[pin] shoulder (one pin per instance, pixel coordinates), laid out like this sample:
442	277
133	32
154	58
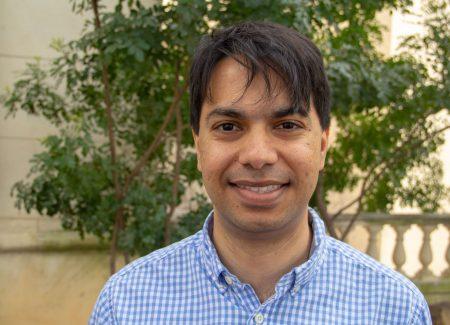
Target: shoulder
175	254
137	281
359	260
158	267
391	287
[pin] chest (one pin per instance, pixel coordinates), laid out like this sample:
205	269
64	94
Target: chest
201	302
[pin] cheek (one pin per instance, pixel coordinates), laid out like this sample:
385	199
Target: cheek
304	160
214	161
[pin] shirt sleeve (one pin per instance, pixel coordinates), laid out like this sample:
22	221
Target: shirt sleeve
103	312
421	313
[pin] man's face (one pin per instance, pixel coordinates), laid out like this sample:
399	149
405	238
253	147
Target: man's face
259	160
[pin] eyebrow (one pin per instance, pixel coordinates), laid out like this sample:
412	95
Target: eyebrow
237	113
225	111
286	111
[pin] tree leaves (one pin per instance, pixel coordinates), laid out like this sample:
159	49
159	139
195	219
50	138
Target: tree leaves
386	110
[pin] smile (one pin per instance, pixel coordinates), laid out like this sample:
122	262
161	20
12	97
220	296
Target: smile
261	189
259	195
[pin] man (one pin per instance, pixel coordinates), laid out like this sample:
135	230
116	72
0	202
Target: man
260	119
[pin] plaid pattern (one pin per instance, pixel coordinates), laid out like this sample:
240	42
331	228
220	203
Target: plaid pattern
186	283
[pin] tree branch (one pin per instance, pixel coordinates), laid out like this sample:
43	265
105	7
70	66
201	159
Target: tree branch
126	257
118	218
358	198
321	205
400	155
176	179
118	222
352	221
178	94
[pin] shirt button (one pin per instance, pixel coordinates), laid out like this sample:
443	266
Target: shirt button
228	280
259	318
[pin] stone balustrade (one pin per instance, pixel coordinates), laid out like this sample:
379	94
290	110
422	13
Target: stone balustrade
436	287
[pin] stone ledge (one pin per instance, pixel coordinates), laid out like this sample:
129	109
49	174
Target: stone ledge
440	313
435	291
56	240
54	249
49	242
19	234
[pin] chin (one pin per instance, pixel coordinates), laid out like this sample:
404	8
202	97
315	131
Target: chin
259	222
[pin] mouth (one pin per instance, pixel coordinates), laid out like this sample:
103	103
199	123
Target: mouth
260	189
259	194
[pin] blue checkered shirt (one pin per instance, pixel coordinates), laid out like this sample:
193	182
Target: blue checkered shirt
185	283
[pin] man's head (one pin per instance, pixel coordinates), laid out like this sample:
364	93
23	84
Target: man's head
260	117
263	48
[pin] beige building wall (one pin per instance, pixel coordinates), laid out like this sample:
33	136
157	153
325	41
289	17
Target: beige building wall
47	276
44	279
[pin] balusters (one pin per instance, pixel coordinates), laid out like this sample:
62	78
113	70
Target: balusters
400	224
373	247
399	257
446	273
426	255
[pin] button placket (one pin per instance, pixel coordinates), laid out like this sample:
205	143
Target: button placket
222	287
259	318
228	280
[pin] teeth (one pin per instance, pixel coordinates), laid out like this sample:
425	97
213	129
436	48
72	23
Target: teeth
261	189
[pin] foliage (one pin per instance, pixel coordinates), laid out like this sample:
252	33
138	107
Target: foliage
121	87
387	137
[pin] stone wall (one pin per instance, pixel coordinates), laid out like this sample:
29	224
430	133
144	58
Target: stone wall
50	287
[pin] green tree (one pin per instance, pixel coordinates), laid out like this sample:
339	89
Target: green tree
118	95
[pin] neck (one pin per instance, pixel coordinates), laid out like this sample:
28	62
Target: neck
262	259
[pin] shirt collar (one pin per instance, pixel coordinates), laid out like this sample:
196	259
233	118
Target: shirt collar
305	272
208	254
293	280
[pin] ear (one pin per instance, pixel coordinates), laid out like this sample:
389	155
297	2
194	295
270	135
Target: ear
324	147
197	150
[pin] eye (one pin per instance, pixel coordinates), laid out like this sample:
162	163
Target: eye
288	125
227	127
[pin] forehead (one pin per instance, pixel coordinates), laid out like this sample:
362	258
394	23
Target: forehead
229	86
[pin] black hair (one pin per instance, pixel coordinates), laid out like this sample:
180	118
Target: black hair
263	47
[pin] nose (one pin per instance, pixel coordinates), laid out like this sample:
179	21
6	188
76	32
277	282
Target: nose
258	150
